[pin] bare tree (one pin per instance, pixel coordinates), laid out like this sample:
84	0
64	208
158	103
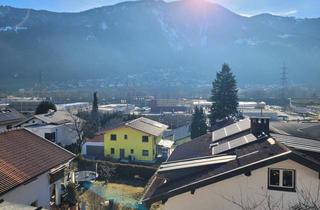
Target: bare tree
306	200
78	126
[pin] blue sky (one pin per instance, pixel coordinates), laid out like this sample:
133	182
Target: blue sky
297	8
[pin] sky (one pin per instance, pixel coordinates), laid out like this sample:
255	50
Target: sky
297	8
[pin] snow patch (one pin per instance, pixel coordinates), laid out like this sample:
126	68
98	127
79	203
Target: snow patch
248	41
103	26
170	33
284	36
12	28
90	37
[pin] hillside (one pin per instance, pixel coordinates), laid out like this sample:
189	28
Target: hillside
155	42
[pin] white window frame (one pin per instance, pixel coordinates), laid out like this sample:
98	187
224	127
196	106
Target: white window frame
281	170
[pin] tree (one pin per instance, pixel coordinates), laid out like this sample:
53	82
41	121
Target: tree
78	126
71	195
95	103
93	124
224	95
44	107
198	124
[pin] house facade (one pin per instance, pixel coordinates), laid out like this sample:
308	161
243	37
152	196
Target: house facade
251	190
32	169
58	127
241	166
135	140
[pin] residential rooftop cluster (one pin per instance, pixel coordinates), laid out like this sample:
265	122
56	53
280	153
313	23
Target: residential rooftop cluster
262	156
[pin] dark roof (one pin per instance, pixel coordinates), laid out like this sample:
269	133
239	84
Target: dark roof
264	151
10	116
24	155
198	147
170	183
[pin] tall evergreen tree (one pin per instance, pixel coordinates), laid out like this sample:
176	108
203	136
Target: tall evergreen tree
198	125
94	122
95	103
224	95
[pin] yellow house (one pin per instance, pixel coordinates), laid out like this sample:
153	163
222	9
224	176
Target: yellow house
135	140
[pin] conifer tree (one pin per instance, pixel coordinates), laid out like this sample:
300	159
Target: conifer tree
95	103
45	106
224	95
198	125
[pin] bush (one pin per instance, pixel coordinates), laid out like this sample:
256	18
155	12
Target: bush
71	197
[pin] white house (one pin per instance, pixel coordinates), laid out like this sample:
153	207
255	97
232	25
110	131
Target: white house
32	169
58	127
241	166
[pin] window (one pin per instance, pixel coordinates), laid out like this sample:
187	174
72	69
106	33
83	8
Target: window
113	137
50	136
131	151
125	136
281	179
145	153
112	151
145	138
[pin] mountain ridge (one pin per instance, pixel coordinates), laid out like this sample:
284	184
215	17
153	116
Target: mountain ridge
155	40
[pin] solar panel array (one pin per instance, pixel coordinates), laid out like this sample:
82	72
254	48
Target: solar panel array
231	129
298	143
220	148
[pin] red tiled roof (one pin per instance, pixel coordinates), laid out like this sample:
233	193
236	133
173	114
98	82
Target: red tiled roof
24	155
97	138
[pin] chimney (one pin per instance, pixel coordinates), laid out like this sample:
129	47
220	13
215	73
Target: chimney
260	126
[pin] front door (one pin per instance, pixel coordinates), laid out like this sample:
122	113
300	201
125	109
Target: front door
122	154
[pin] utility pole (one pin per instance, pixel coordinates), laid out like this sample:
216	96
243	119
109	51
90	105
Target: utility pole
284	82
40	84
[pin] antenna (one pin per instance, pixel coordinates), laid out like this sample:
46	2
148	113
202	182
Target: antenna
284	83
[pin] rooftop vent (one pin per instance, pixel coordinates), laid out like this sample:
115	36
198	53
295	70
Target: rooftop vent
260	126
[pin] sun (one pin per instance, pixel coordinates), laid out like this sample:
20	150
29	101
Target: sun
197	6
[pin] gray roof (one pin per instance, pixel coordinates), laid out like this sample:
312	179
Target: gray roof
309	130
5	205
57	118
298	143
148	126
9	116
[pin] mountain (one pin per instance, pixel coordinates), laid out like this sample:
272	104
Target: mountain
152	41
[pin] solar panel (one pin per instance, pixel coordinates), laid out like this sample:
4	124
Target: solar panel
233	144
231	129
195	163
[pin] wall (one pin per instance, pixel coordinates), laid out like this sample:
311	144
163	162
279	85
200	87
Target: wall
84	146
134	142
37	190
65	135
248	189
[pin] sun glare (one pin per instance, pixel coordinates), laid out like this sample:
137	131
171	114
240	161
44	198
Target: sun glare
197	6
